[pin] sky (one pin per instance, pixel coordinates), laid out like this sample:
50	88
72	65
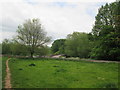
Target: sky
58	17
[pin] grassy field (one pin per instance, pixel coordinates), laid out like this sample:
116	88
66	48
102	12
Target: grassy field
62	74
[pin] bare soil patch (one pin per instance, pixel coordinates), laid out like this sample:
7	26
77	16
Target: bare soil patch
7	78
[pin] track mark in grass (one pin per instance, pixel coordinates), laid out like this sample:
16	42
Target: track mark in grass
61	70
8	78
26	79
76	80
32	64
20	69
55	66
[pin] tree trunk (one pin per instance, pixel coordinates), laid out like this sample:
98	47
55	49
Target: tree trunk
31	54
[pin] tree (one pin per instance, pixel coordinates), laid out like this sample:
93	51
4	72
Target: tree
18	49
106	33
0	48
77	45
32	34
58	46
42	51
6	47
11	47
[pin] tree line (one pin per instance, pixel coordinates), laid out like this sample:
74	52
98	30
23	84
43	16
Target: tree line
31	40
103	42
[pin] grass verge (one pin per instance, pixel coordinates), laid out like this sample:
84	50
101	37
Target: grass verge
3	70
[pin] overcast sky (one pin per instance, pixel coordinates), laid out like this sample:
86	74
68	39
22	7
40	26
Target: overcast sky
59	17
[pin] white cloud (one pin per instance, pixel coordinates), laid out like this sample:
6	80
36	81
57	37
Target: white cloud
7	34
58	0
58	21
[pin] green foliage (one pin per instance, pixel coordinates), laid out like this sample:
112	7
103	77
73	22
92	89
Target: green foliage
0	48
106	33
58	46
11	47
6	47
18	49
77	45
43	51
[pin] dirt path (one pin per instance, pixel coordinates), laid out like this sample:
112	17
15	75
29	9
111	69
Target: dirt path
102	61
7	78
105	61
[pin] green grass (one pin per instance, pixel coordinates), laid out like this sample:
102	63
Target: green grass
62	74
3	70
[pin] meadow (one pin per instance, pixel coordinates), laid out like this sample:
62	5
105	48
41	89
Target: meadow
51	73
